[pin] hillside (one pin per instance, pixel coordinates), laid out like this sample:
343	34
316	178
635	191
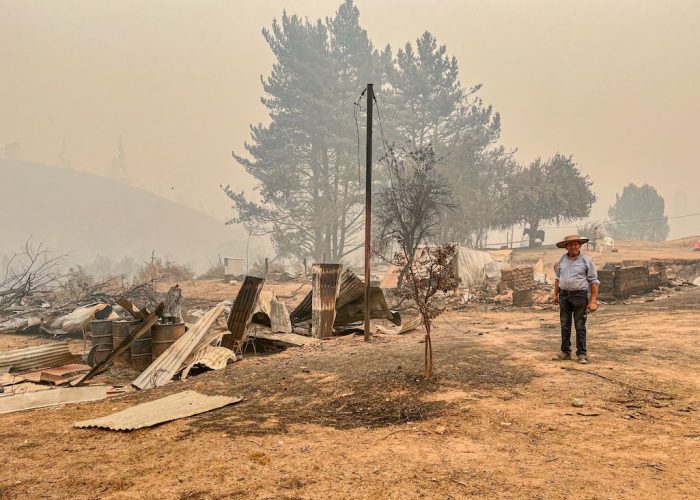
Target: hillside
86	216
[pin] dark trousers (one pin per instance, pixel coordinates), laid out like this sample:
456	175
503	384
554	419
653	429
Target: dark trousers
573	305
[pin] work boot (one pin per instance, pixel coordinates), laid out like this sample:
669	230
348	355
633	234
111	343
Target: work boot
582	359
564	356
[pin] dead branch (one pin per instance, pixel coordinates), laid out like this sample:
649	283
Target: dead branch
33	272
31	278
392	433
643	389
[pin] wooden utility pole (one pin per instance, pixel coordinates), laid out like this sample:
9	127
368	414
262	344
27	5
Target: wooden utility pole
368	205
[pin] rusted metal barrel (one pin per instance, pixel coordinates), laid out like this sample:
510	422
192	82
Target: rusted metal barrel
121	330
101	335
141	352
163	336
101	332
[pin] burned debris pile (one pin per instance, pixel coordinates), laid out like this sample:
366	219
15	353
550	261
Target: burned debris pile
128	346
339	303
157	346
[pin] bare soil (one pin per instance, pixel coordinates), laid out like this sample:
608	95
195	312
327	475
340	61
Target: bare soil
349	419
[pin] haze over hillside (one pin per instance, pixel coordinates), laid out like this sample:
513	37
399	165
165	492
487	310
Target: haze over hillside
86	216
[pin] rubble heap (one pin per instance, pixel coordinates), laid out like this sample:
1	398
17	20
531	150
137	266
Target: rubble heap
520	280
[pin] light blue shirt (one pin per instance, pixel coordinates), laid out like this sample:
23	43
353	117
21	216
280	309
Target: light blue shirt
576	274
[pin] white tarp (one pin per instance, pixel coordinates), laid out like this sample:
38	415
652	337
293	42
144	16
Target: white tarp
472	267
503	257
475	268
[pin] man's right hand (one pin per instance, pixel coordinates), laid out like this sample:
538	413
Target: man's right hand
555	299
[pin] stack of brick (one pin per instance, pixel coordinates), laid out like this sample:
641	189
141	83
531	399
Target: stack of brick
521	281
632	281
607	284
635	277
506	280
632	277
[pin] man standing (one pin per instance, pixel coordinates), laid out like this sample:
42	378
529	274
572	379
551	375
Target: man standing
575	275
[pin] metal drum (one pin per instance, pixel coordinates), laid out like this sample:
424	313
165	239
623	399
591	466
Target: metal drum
101	332
141	352
101	335
163	336
121	330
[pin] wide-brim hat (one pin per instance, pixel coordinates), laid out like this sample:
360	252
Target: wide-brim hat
570	238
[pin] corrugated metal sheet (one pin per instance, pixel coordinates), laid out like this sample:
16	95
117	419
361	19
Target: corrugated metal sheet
353	312
214	358
351	289
60	371
167	364
41	356
406	326
242	310
326	283
269	311
285	338
53	397
212	337
302	312
180	405
349	304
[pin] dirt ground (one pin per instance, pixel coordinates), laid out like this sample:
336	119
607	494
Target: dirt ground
353	419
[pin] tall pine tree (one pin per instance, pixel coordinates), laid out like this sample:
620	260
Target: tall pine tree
305	159
427	104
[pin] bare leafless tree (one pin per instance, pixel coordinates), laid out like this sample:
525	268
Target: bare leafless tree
429	277
414	196
34	271
79	287
34	276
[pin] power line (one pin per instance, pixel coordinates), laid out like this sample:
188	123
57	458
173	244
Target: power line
356	105
357	128
381	129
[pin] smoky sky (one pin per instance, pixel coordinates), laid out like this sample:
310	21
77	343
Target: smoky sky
615	84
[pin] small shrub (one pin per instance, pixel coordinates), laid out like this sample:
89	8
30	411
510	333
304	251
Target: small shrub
214	271
160	270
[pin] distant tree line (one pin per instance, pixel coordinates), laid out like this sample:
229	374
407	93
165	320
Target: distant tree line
308	160
638	214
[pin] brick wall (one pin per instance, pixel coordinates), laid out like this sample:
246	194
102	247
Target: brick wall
518	278
521	281
606	291
632	281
